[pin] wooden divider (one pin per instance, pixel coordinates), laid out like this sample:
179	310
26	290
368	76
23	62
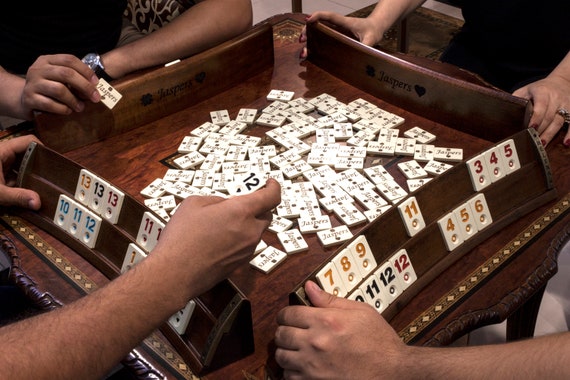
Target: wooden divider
455	103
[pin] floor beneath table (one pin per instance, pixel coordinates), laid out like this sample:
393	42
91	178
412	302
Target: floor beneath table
554	314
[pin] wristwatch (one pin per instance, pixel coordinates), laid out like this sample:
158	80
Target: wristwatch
93	60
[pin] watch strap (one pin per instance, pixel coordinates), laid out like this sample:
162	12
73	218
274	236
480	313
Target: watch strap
102	74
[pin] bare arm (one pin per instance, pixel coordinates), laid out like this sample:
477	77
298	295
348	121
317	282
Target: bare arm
369	30
340	338
202	243
548	96
544	357
9	104
203	26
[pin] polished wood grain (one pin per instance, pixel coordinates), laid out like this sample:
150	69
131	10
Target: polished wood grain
133	158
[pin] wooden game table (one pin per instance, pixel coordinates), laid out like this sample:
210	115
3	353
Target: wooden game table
500	277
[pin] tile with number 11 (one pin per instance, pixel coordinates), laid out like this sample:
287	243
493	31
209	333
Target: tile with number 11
411	216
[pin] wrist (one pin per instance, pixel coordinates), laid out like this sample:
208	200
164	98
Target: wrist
15	106
94	61
120	62
178	284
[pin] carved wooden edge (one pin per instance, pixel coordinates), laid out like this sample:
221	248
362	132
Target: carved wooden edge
535	283
470	283
140	368
41	300
44	301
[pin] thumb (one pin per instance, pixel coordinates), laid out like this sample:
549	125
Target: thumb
521	93
14	196
320	298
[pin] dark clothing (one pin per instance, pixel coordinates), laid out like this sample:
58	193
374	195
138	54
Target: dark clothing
511	43
29	29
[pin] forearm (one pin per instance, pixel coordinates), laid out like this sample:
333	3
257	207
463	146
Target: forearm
203	26
215	21
562	70
11	87
388	12
205	240
544	357
87	338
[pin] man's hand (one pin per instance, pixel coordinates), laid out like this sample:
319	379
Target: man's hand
336	339
208	237
12	196
58	84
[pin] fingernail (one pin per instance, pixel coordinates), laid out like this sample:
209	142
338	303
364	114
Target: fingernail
79	107
33	204
567	143
313	286
95	96
543	142
534	126
94	79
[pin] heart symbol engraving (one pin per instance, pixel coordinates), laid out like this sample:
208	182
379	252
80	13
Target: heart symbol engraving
200	77
420	90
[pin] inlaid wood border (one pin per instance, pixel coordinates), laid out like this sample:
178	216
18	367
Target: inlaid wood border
486	270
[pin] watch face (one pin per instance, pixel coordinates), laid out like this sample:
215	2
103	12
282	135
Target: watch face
92	60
